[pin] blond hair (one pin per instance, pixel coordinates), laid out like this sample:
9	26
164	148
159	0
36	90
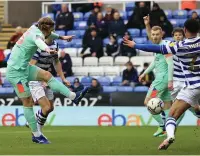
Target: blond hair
155	28
46	24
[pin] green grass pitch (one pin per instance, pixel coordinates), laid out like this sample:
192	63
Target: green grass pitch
97	141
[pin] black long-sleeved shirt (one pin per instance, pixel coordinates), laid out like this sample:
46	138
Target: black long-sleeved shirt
66	65
66	19
131	76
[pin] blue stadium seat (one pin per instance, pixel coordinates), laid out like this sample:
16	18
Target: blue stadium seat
180	14
77	43
81	32
86	81
181	22
6	90
81	25
174	22
105	41
140	40
60	32
123	15
120	40
125	89
129	14
59	79
130	6
104	81
169	38
117	81
51	15
190	12
141	89
71	79
144	33
64	44
168	13
76	25
74	32
109	89
87	15
78	16
7	83
134	32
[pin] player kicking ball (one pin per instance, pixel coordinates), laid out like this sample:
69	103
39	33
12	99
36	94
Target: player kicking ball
163	83
187	52
20	72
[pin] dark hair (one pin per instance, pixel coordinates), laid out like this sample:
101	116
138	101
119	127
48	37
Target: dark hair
129	63
194	12
146	64
192	25
180	30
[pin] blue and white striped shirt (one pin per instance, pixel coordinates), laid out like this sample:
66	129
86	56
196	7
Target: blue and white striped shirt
44	59
188	53
178	73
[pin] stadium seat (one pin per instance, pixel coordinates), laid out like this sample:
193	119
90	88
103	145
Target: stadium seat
6	90
134	32
174	22
141	89
87	15
96	71
144	33
76	25
60	32
104	81
78	16
6	83
59	79
168	13
71	51
120	40
111	71
77	61
77	43
81	33
121	60
109	89
180	14
51	15
169	38
181	22
63	44
105	41
190	12
106	61
3	72
80	71
90	61
6	52
87	51
121	69
129	14
117	81
124	89
138	60
123	15
82	25
140	40
71	79
86	81
130	6
143	53
74	32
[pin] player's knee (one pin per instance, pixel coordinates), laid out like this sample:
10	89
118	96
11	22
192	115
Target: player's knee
47	76
146	101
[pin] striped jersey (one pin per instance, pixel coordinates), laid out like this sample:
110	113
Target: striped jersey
44	59
188	53
178	73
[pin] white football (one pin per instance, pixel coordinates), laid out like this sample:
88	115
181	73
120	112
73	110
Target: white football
155	106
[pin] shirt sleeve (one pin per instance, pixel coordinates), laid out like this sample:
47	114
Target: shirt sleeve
40	43
36	55
54	35
171	47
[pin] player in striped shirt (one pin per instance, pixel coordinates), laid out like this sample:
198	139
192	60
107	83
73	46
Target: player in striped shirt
188	52
40	92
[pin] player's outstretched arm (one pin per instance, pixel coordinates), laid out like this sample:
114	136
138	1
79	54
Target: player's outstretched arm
147	25
56	36
147	71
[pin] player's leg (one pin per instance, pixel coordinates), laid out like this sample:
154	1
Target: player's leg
55	85
152	93
185	99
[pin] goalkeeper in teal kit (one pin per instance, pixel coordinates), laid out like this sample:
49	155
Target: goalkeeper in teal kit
20	72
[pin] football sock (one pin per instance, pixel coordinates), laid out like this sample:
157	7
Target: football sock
30	118
41	119
158	118
57	86
170	127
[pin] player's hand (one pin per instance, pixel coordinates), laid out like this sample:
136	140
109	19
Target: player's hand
129	43
68	38
67	83
170	85
146	20
141	77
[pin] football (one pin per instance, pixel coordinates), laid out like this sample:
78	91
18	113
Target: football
155	106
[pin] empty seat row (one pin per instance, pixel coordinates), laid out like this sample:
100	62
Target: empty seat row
110	89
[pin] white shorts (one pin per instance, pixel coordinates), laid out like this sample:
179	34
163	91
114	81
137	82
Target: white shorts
38	90
191	96
178	85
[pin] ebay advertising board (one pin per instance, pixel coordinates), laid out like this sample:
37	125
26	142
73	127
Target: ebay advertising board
89	116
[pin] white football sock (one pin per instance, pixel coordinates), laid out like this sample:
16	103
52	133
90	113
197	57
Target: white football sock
170	127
